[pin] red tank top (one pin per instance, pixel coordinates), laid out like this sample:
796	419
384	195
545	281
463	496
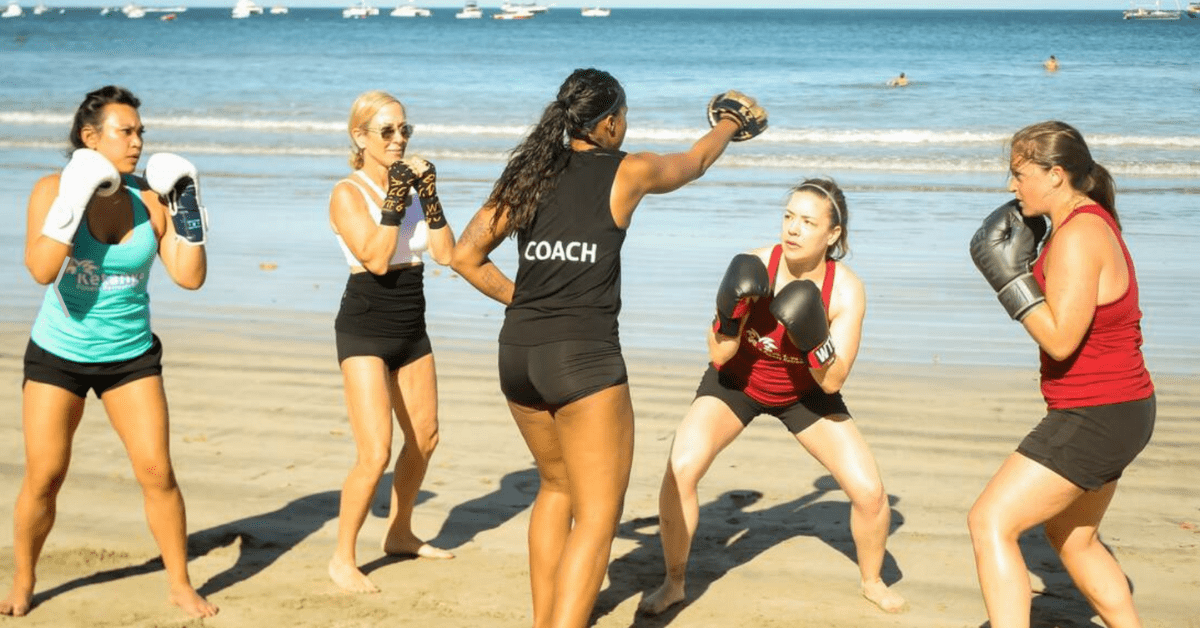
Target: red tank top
768	367
1108	366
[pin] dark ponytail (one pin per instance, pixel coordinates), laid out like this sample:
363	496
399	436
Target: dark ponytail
587	97
1054	143
91	111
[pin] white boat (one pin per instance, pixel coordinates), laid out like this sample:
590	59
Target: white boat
595	12
513	14
40	8
410	10
12	10
244	9
1193	9
359	11
1156	13
133	11
470	11
279	9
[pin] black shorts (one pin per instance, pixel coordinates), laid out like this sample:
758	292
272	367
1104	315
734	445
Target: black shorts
80	377
796	417
1091	446
557	373
395	352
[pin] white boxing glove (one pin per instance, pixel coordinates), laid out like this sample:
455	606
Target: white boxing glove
176	179
86	174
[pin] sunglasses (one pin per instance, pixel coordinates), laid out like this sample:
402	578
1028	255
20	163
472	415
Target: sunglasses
389	132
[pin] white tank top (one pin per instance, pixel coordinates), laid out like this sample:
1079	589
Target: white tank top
413	238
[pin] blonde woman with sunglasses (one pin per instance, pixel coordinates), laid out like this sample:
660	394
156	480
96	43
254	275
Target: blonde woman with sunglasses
385	215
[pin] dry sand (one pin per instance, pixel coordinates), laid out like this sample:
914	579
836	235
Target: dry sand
261	445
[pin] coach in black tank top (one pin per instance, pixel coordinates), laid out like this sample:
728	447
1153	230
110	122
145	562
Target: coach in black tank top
568	283
568	194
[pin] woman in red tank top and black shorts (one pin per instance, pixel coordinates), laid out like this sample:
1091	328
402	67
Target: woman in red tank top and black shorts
1080	303
789	321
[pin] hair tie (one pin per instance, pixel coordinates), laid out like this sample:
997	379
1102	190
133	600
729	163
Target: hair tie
837	210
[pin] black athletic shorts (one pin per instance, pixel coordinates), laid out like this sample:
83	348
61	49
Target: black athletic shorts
796	417
80	377
395	352
1091	446
554	374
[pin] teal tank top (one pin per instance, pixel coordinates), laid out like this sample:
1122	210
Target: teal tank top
99	310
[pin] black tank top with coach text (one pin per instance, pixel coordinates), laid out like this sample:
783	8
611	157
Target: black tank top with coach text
568	284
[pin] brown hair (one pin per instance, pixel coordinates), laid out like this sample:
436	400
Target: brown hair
364	108
839	214
1054	143
91	111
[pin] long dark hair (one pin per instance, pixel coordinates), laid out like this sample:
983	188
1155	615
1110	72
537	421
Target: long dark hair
1055	143
839	214
587	97
91	111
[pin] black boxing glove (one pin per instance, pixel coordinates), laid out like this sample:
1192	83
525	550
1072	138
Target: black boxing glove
1004	249
799	309
399	194
745	278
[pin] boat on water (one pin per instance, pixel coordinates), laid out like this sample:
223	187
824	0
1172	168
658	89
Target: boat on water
12	10
279	9
40	8
470	11
1155	13
133	11
359	11
595	12
244	9
410	10
1193	9
513	14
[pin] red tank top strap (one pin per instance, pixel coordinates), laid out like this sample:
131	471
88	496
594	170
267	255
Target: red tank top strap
827	283
773	266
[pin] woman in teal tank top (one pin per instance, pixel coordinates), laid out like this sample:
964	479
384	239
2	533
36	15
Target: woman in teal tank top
92	234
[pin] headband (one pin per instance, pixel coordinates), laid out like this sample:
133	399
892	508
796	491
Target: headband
837	210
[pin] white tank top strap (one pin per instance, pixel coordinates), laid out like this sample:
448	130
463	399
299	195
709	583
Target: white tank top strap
413	237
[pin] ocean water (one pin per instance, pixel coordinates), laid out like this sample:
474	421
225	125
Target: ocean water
260	106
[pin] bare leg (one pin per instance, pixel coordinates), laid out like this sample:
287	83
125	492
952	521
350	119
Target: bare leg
414	399
1021	495
707	429
1073	535
837	444
138	411
50	416
595	446
369	407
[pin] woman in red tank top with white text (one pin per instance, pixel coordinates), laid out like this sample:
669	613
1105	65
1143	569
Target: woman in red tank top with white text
1081	306
771	357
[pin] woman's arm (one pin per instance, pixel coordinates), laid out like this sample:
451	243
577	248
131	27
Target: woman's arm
372	244
722	348
1073	272
650	173
470	256
44	256
847	308
441	245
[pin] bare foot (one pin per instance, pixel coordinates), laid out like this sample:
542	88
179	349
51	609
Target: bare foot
192	603
668	595
412	546
350	578
18	602
886	599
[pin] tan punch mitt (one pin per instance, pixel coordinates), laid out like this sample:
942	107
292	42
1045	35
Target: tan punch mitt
750	116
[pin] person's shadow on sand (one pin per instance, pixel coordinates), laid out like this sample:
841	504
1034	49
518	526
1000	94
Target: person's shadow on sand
1059	604
262	539
727	537
466	520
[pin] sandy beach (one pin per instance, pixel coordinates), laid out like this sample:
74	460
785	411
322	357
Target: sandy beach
261	444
